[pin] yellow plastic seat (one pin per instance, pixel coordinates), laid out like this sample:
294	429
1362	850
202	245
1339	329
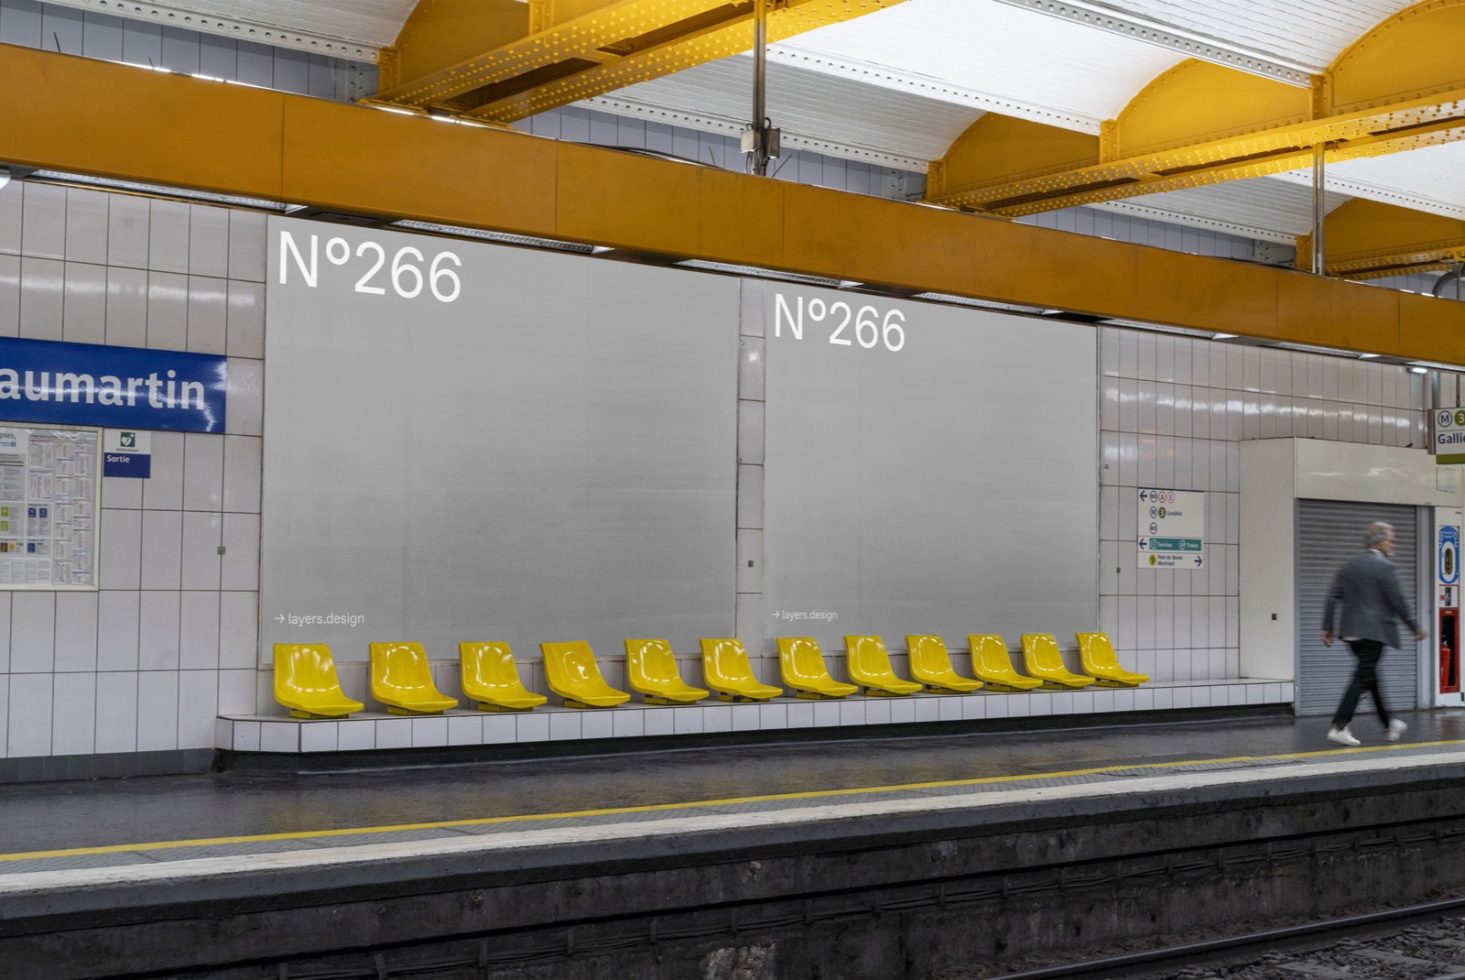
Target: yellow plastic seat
991	663
571	671
869	667
802	665
401	679
726	670
306	682
651	671
1045	662
1096	654
931	665
491	678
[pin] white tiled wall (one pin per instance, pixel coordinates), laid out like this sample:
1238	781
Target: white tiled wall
169	641
148	661
1173	412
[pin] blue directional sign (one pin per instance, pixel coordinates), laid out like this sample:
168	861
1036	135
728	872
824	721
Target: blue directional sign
117	387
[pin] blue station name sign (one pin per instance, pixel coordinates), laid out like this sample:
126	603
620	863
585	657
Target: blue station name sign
115	387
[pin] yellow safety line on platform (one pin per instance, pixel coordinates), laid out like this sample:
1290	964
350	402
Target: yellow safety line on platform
692	805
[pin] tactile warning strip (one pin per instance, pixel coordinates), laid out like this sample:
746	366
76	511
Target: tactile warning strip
166	851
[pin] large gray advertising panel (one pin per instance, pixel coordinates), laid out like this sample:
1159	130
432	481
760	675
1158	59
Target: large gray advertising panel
928	470
473	442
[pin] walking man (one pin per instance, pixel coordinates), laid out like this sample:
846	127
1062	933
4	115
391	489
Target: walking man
1373	603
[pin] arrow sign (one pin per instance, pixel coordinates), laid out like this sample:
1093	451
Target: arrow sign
1144	495
1142	544
280	618
1198	559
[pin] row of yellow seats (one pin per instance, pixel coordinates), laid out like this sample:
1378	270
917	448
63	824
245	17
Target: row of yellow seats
869	666
307	684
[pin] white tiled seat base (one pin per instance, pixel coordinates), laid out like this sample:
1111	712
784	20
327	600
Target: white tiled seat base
260	733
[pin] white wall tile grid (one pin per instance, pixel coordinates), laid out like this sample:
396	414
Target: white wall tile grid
92	34
1173	412
169	640
581	125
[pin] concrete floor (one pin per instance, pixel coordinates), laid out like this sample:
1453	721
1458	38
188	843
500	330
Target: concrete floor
51	816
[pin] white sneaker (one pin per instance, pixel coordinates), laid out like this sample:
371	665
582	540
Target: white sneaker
1396	728
1343	736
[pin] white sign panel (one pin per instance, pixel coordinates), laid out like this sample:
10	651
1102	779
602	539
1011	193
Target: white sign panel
48	507
603	507
1449	435
865	378
1172	529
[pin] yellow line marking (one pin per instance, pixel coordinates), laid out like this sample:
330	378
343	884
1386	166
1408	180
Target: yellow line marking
692	805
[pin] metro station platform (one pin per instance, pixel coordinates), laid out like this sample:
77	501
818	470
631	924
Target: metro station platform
165	875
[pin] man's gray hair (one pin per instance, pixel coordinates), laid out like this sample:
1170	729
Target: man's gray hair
1377	531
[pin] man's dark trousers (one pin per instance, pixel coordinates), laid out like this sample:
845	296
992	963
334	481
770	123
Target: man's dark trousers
1365	678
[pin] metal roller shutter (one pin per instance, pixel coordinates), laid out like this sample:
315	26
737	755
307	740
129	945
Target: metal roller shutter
1328	532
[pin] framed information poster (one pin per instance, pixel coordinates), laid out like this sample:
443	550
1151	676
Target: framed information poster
50	482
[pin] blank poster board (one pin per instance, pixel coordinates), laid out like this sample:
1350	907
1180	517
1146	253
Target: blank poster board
474	442
937	473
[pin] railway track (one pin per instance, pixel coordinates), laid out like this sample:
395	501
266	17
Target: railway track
1420	942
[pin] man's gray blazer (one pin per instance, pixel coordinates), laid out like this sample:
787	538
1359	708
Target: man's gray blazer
1373	602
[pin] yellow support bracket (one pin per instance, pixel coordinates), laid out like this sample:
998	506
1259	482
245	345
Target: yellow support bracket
568	50
1391	128
1399	87
1369	239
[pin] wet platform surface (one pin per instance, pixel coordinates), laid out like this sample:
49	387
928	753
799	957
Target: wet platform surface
311	810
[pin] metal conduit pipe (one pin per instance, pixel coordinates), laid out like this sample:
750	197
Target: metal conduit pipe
1319	206
760	140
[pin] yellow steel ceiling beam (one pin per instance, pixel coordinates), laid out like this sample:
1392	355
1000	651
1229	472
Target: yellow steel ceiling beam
561	51
1369	239
119	122
1399	87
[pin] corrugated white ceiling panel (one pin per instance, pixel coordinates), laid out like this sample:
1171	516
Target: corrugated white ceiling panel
363	24
811	105
1312	32
1429	179
986	55
1263	208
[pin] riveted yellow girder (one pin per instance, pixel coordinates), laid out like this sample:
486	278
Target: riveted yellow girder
1414	53
1368	239
998	148
1400	87
120	122
568	50
445	32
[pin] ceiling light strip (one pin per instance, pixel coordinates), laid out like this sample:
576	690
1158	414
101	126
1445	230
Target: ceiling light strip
501	237
930	88
952	299
704	265
1172	38
729	127
155	190
169	15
